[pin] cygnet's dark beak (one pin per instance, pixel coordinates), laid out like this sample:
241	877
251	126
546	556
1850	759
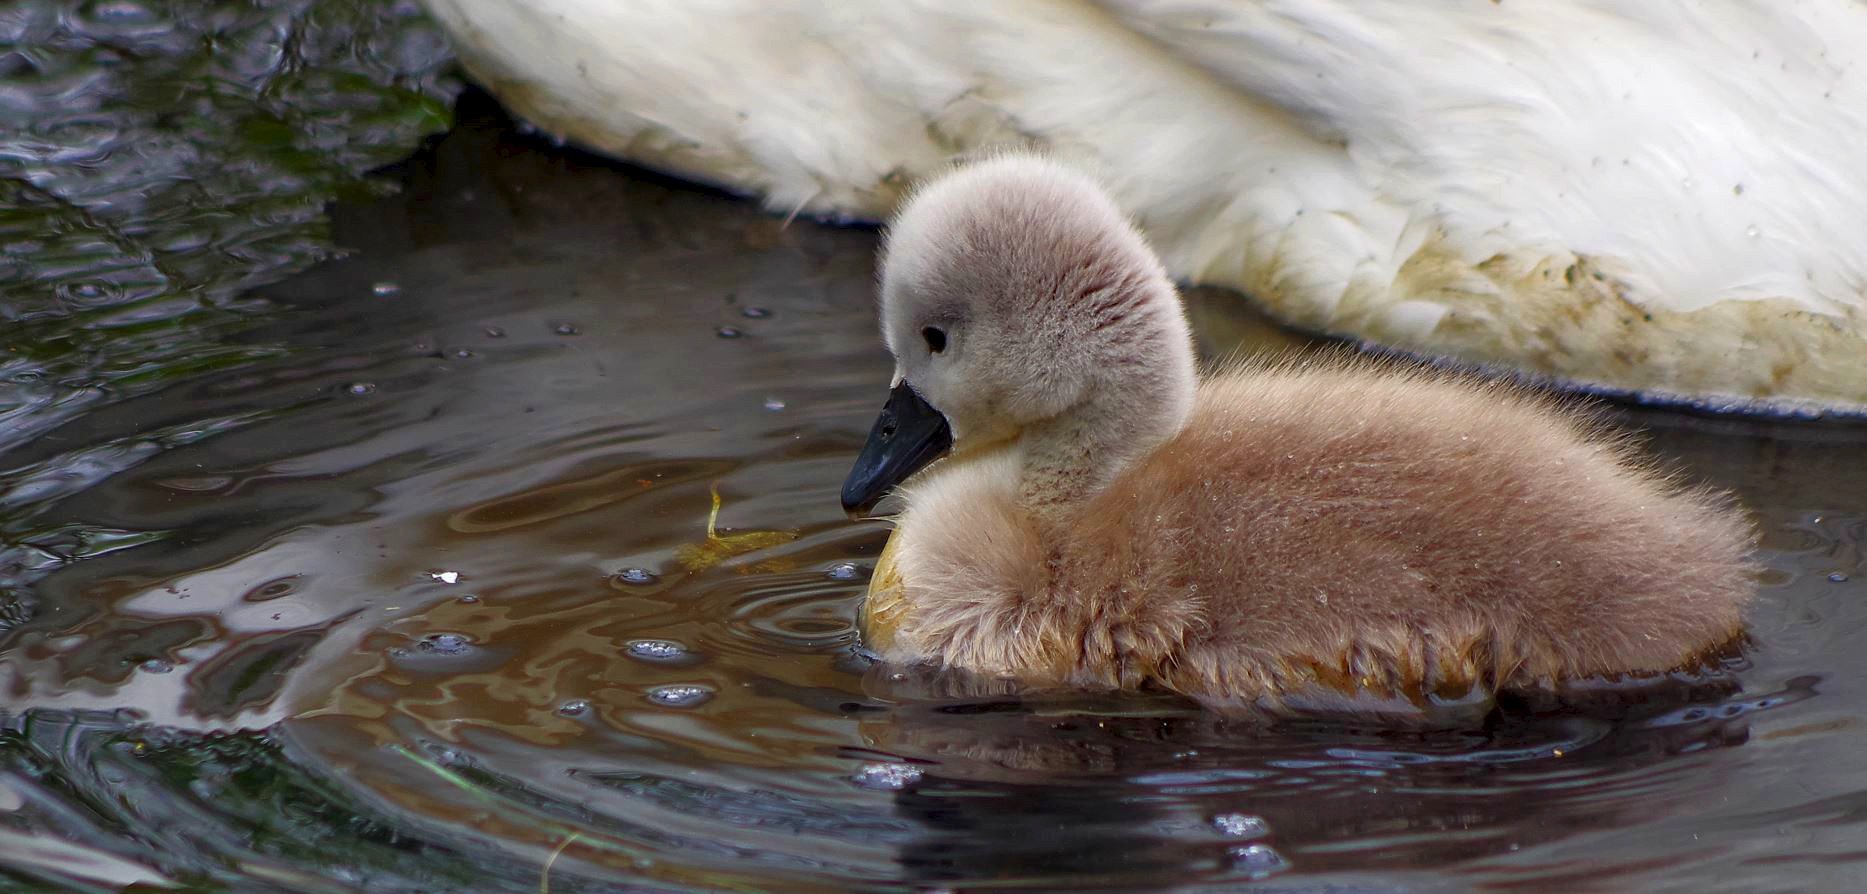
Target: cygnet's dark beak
908	435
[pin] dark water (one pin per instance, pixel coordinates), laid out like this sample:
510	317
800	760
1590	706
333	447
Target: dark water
411	589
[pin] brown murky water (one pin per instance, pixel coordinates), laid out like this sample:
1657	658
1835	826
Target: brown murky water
422	597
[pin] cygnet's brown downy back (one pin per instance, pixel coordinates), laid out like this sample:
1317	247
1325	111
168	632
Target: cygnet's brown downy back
1295	532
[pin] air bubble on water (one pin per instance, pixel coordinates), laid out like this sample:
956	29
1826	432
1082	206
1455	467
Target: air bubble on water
1837	577
494	332
755	313
566	329
728	332
844	571
1257	860
445	577
774	404
679	695
446	644
887	777
574	707
468	598
657	650
462	353
360	388
385	289
157	666
1241	825
120	12
636	577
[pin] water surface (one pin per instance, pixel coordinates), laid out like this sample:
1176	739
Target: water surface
415	592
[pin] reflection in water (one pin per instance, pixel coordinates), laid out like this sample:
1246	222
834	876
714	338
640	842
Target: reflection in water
438	596
158	159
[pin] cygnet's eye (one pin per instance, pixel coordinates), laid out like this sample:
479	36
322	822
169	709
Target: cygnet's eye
936	338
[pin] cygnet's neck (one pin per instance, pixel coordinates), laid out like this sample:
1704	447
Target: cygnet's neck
1139	405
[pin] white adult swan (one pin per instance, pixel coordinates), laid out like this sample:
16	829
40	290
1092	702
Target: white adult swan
1661	197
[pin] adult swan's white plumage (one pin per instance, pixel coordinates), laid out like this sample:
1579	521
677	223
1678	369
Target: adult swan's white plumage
1664	197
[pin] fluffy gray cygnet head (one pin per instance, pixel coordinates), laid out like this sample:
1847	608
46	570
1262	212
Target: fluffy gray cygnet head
1024	310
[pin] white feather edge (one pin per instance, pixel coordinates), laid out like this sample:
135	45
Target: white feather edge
1660	197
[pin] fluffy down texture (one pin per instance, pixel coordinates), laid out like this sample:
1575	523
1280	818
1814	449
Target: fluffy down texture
1321	532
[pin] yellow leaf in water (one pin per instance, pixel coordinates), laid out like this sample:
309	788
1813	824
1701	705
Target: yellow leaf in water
698	557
